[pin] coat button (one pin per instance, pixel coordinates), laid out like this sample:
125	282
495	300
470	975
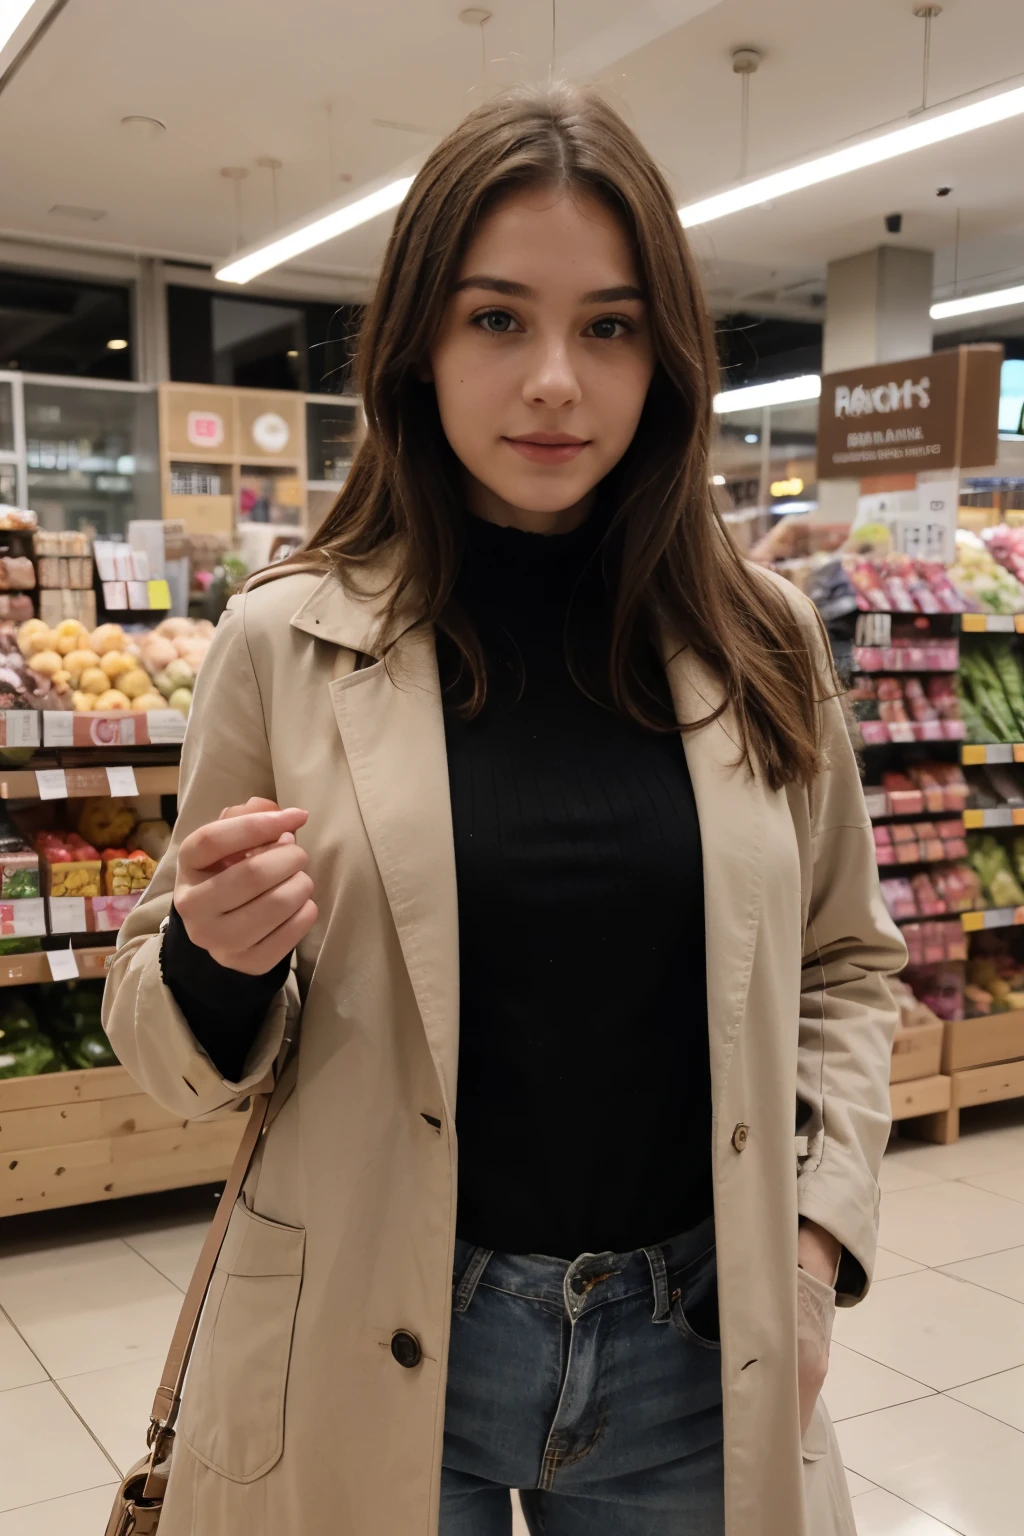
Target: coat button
740	1135
406	1350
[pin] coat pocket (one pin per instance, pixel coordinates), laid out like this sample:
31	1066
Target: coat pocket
232	1414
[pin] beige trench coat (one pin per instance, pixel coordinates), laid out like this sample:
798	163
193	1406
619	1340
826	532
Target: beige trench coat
297	1418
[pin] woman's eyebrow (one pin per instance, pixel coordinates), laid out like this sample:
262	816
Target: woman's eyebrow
503	285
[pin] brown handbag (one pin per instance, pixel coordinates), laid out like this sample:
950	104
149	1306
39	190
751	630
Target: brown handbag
140	1498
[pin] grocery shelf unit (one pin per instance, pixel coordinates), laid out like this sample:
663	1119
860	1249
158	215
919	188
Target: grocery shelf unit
72	1137
982	1059
215	439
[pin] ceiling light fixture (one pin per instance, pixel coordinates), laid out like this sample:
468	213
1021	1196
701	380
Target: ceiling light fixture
753	397
12	14
999	298
117	345
855	157
305	236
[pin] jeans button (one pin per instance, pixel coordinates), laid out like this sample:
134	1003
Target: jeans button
406	1350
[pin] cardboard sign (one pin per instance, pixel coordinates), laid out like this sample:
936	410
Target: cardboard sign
935	412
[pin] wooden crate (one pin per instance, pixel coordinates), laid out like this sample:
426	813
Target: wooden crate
67	1138
916	1052
981	1042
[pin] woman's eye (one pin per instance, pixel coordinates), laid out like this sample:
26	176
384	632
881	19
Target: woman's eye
608	328
497	321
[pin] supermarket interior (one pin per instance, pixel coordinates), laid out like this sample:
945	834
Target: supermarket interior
194	204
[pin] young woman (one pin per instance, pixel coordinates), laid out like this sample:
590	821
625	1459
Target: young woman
572	822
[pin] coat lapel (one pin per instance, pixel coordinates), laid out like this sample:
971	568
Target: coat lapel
392	728
732	825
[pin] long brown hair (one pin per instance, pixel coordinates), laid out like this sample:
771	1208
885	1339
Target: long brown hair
667	557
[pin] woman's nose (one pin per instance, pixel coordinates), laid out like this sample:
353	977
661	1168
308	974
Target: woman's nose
552	379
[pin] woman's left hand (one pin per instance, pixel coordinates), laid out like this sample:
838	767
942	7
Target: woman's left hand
818	1254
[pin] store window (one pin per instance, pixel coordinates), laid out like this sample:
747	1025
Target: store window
249	343
91	456
65	326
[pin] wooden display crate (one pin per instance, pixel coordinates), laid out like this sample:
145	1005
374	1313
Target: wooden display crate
67	1138
916	1052
982	1042
921	1096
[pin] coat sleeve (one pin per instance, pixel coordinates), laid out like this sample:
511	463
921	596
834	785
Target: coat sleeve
225	759
847	1016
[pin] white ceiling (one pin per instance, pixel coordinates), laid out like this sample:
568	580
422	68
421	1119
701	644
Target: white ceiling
236	80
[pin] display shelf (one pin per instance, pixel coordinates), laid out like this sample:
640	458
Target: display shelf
994	917
28	970
992	623
69	1138
968	1089
986	1041
920	1096
991	821
973	755
23	784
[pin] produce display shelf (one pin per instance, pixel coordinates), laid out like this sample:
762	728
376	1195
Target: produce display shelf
28	970
992	623
1002	816
972	755
967	1089
67	1138
23	784
995	917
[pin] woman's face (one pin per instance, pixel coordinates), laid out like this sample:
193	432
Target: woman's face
543	359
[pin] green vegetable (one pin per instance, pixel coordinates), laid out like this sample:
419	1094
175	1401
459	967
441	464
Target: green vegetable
1005	660
16	1021
90	1050
981	679
990	862
28	1057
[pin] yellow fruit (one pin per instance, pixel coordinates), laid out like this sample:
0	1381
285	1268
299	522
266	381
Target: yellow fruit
46	663
109	637
113	699
83	701
61	680
114	663
26	631
94	680
41	640
78	662
134	682
146	701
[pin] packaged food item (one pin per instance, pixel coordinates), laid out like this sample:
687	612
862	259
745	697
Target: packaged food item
125	873
939	987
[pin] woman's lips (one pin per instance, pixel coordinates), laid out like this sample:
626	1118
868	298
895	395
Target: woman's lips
539	452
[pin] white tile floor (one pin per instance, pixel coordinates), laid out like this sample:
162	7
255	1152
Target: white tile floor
926	1383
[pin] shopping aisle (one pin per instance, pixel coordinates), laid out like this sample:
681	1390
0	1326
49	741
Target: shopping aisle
926	1386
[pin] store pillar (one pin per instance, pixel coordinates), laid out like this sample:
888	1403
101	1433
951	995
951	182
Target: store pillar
878	310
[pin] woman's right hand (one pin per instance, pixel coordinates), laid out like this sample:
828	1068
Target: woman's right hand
242	889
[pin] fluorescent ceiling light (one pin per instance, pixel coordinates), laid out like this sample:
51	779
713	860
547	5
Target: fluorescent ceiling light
12	14
779	392
303	237
885	146
999	298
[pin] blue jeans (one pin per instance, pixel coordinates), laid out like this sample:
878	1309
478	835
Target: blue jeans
593	1387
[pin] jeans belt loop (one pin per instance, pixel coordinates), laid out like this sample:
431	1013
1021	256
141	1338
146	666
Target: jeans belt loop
659	1282
466	1288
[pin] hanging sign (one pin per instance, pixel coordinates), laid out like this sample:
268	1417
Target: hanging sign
929	413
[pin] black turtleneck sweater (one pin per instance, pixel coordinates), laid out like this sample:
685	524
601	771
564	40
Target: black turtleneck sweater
584	1102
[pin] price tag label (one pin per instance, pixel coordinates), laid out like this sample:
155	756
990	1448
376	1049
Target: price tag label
115	596
159	594
67	914
63	964
121	781
999	754
52	783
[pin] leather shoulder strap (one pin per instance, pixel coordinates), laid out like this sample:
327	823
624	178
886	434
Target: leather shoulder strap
168	1394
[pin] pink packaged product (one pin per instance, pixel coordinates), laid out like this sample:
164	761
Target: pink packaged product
898	896
928	901
940	988
106	913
